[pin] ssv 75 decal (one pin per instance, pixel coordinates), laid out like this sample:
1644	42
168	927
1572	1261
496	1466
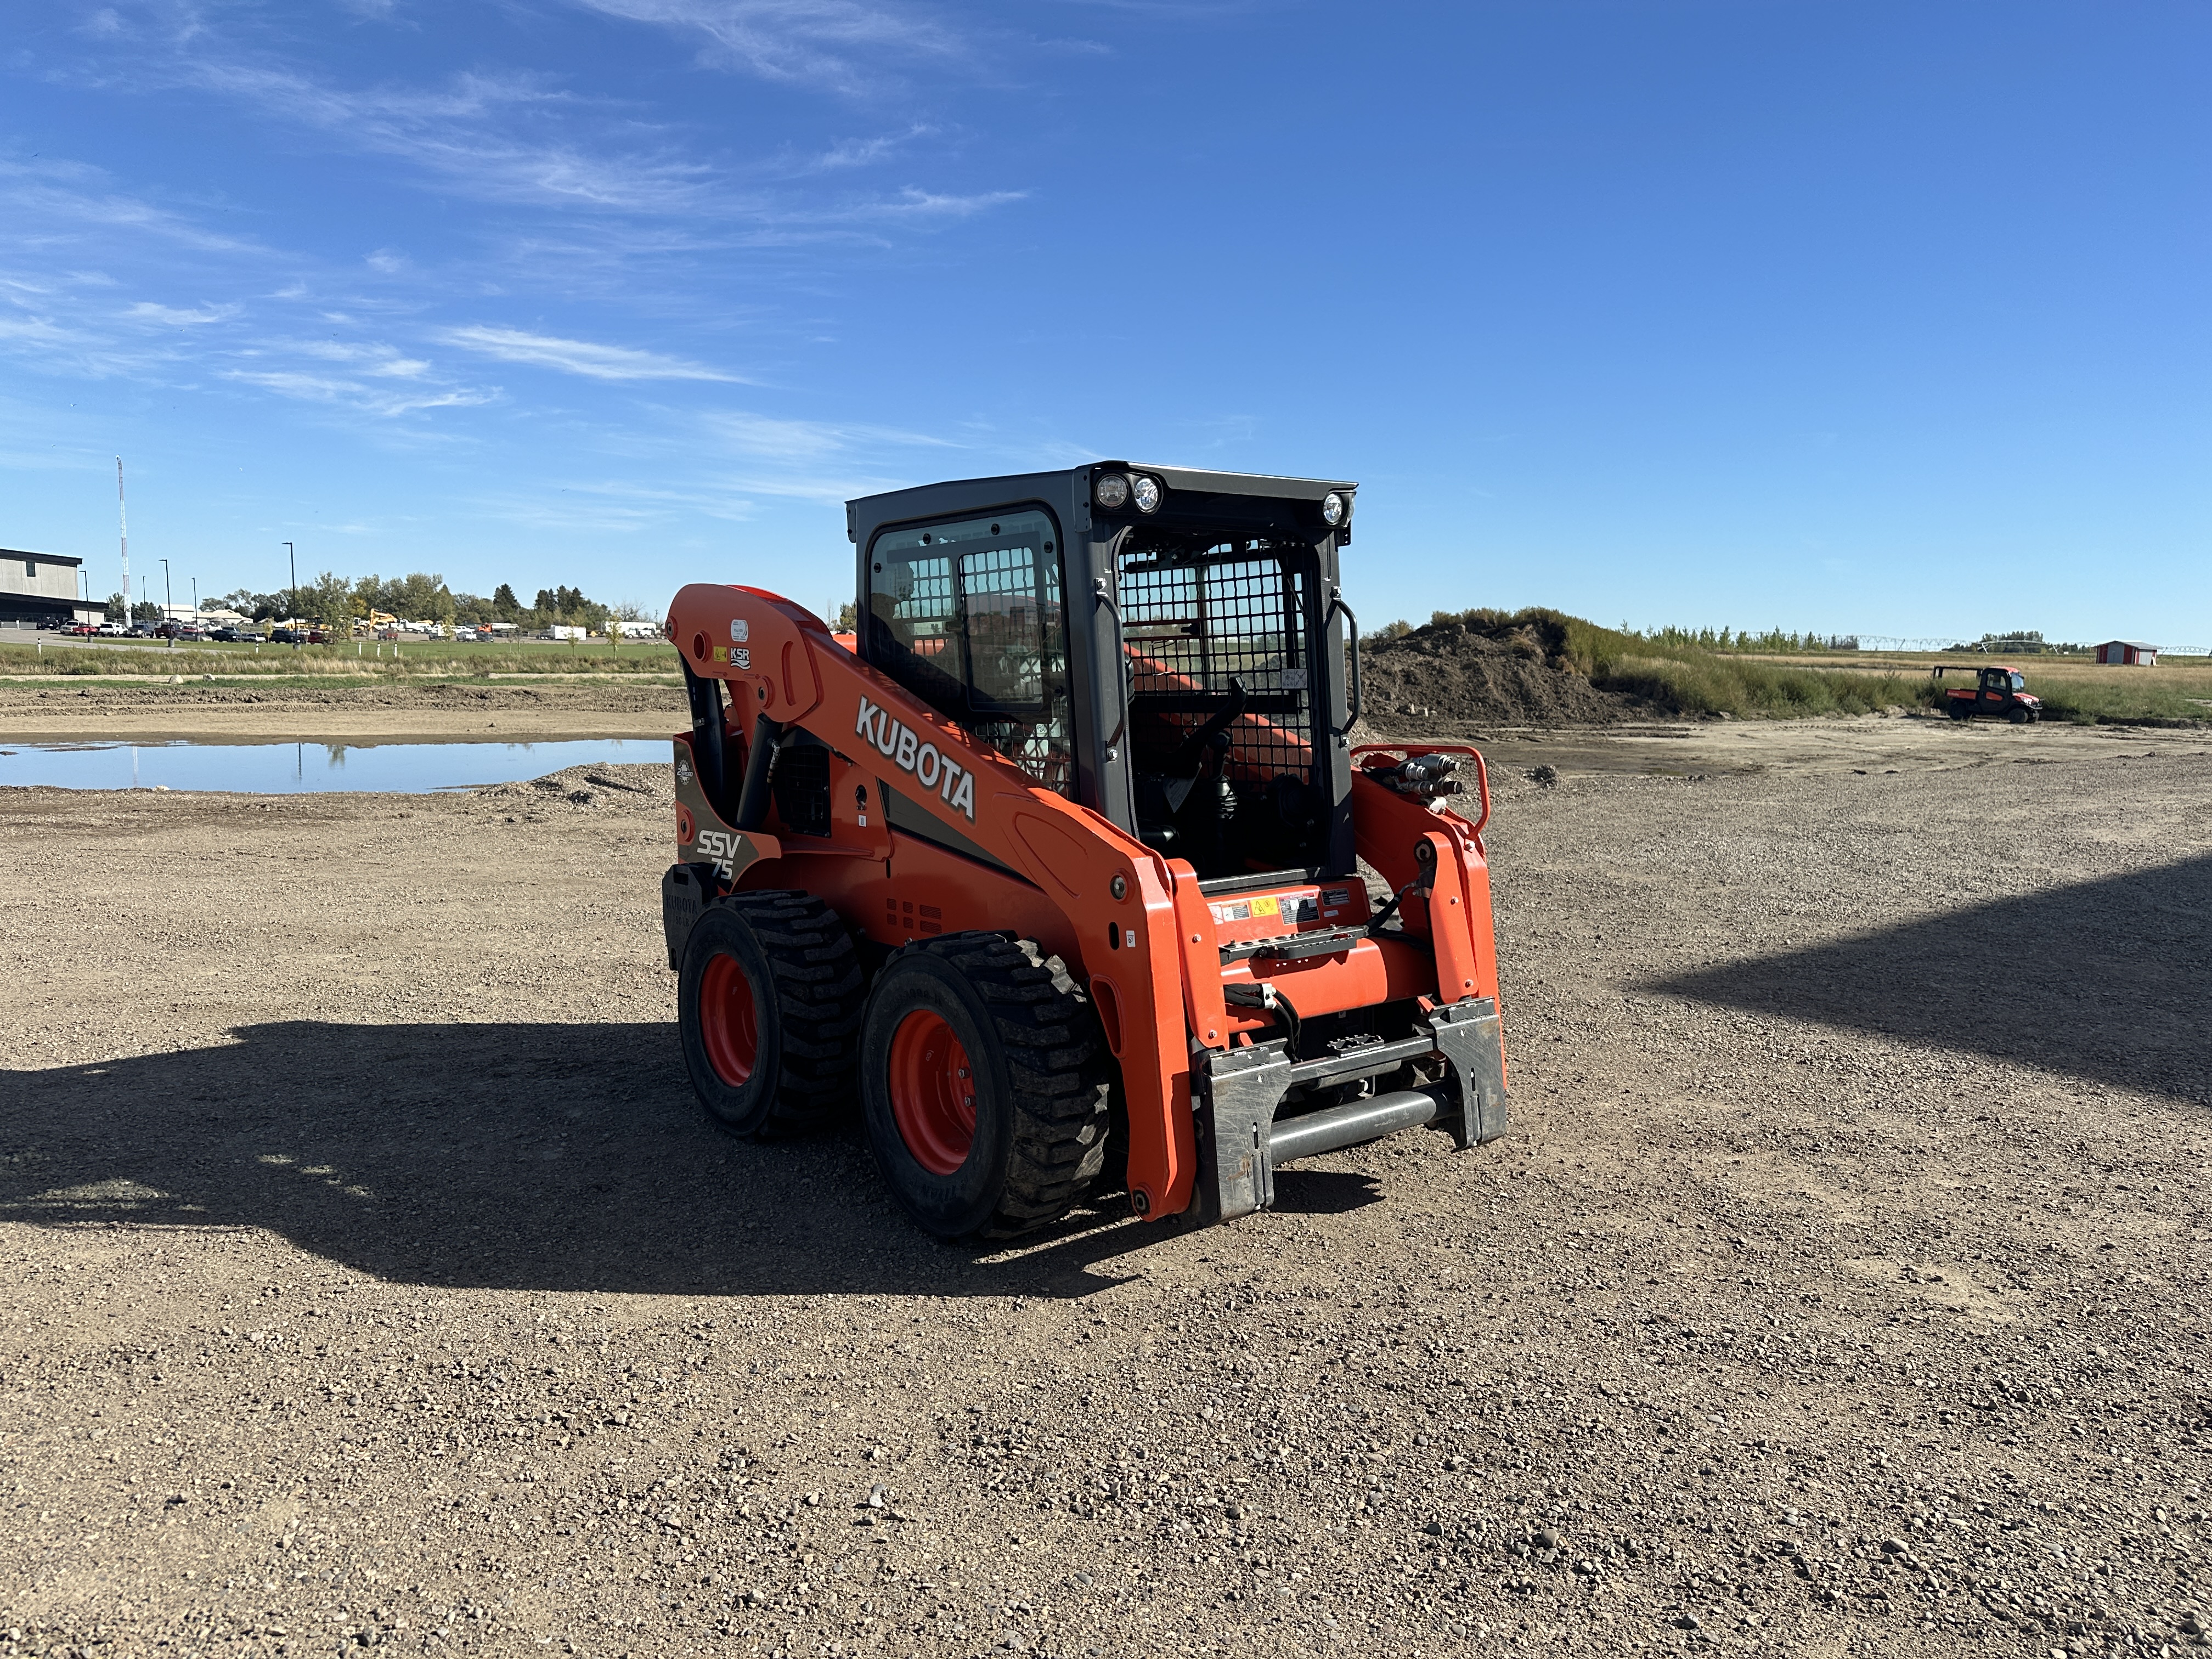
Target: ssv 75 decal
954	783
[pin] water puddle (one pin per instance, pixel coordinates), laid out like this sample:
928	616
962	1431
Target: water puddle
297	769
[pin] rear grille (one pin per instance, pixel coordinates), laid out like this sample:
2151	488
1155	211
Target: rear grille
800	784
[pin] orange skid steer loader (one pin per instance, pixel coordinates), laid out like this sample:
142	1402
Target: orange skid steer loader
1061	862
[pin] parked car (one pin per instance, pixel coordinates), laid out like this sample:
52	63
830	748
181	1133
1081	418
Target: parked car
176	630
247	636
108	630
230	636
287	636
317	636
82	631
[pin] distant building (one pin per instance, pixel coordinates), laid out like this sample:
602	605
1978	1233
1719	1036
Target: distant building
37	587
2133	652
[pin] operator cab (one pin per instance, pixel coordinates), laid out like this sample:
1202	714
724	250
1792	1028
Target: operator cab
1167	646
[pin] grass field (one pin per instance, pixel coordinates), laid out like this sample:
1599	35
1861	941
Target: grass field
1681	678
1688	680
361	659
2072	688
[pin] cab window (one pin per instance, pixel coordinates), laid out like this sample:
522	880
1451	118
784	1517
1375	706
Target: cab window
968	615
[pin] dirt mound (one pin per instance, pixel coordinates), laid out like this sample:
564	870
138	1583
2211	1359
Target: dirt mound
1508	674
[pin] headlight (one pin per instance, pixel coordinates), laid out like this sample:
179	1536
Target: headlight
1333	508
1146	489
1111	491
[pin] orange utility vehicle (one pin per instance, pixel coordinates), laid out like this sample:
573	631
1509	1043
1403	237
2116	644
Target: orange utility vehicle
1060	862
1999	693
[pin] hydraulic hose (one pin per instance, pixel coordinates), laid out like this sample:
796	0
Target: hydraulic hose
760	769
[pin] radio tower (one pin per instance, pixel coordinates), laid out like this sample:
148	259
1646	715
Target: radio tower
122	528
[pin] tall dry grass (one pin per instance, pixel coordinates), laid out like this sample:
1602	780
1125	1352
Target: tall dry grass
1687	679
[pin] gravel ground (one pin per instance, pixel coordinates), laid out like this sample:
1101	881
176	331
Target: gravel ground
372	1277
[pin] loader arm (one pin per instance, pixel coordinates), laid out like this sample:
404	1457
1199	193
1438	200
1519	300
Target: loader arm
782	668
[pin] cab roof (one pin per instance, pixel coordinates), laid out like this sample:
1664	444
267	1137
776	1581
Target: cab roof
1195	480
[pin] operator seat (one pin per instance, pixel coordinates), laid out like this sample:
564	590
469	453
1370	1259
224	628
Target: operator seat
1186	801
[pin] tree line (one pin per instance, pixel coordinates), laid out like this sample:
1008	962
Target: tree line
334	601
1701	638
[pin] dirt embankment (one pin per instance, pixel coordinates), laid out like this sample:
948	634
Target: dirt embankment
1451	672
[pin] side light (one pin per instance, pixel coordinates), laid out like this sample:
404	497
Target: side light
1334	509
1111	491
1146	489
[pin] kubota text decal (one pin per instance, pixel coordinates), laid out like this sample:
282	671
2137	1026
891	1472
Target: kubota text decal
954	783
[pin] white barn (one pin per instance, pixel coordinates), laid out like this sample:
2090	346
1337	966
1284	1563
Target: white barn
2134	654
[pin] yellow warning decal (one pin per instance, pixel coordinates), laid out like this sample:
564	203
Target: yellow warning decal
1269	906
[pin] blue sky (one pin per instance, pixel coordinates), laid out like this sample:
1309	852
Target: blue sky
1879	317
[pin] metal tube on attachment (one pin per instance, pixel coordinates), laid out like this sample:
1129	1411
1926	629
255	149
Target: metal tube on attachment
1349	1124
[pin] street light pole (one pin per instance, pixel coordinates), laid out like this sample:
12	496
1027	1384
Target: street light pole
168	593
196	601
292	598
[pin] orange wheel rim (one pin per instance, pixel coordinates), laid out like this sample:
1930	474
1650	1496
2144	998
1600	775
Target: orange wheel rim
932	1089
728	1025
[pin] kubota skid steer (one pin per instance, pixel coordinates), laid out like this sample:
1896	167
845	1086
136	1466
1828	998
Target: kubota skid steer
1056	862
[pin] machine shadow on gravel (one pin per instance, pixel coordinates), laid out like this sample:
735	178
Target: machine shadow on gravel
516	1157
2106	980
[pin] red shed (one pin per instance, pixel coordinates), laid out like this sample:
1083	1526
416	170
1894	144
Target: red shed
2133	652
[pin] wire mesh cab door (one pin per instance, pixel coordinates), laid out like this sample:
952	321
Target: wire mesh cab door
1223	661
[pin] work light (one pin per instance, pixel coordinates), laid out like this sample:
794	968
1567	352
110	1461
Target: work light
1147	492
1111	490
1332	508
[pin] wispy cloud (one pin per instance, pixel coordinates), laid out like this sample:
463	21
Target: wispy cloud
863	152
357	395
47	200
615	506
912	203
838	45
526	139
772	439
146	311
809	460
384	362
475	130
611	217
585	357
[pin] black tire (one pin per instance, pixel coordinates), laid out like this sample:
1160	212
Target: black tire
1037	1067
2018	716
798	1072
